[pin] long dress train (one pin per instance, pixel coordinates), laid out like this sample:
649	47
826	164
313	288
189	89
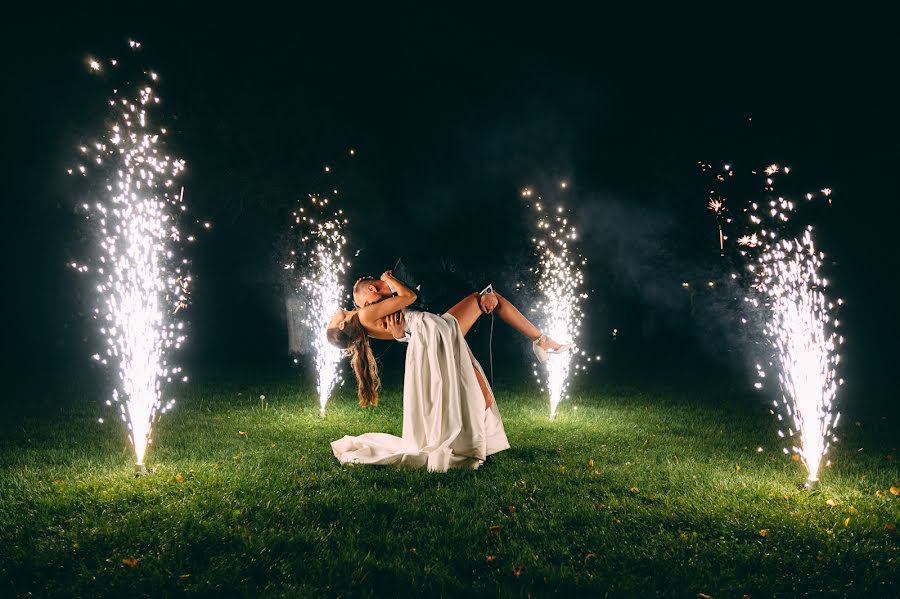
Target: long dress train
445	424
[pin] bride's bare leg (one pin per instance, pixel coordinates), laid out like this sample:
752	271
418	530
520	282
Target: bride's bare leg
511	316
467	312
485	390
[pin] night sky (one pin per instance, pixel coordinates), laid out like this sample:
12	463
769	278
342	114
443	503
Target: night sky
451	114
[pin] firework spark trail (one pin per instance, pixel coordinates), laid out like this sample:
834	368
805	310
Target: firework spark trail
800	328
716	205
321	270
142	279
799	325
560	280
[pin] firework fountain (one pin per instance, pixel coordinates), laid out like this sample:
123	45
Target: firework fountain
560	281
799	324
316	261
142	279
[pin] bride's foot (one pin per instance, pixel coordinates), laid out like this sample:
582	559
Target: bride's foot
545	342
543	346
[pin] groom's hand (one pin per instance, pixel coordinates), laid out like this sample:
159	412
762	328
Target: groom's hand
487	302
396	325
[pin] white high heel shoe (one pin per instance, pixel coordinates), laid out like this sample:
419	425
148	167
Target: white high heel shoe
542	354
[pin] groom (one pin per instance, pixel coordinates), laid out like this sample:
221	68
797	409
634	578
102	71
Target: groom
368	291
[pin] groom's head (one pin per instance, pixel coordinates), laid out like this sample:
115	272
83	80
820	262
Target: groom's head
368	291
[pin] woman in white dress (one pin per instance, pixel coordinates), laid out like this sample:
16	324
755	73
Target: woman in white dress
450	417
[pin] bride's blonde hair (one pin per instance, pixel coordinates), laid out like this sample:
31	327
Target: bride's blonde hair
355	343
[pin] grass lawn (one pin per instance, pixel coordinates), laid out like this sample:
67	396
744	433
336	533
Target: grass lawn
633	493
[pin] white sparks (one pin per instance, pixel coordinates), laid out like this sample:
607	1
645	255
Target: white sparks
800	328
141	281
320	269
559	307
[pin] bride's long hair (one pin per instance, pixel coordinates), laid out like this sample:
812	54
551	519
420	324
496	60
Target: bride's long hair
355	343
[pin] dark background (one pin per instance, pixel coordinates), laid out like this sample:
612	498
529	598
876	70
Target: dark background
451	114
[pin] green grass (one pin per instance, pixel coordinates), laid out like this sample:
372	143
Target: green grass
629	494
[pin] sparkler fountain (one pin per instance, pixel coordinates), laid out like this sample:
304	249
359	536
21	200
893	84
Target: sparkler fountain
560	280
320	269
142	280
799	325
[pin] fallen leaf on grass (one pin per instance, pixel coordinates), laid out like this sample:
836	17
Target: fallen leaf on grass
495	529
591	463
704	596
853	510
795	458
635	490
589	555
889	526
684	536
489	559
274	445
184	576
764	532
737	466
846	521
179	478
130	562
242	433
831	503
895	491
512	509
879	494
518	570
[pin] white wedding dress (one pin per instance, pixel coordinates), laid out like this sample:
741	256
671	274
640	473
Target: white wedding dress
445	424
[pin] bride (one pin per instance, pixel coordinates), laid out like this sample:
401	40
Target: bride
450	417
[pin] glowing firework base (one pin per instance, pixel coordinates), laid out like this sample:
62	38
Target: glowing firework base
557	372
